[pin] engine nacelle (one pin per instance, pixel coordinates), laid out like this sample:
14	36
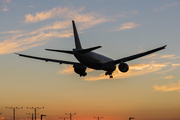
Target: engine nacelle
123	67
81	70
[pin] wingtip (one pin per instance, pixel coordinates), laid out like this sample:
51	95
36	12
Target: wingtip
48	49
16	53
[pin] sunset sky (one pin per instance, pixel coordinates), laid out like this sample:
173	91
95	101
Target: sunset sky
150	90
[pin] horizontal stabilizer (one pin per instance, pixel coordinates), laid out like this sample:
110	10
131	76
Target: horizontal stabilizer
64	51
84	51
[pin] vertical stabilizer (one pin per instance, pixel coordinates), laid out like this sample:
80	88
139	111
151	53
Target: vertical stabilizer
76	37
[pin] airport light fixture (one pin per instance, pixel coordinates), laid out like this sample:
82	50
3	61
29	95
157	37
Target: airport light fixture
14	109
30	114
63	118
70	114
29	117
35	108
98	117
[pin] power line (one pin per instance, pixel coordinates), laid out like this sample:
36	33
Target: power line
35	110
70	115
98	117
14	109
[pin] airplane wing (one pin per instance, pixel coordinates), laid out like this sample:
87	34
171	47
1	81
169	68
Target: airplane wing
138	55
50	60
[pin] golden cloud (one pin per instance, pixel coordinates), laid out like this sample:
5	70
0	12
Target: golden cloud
169	56
62	34
16	43
57	25
45	15
166	6
135	12
3	4
157	56
68	69
127	26
85	21
31	6
169	77
60	12
64	13
174	66
125	14
5	8
22	41
152	56
7	1
12	31
168	87
134	70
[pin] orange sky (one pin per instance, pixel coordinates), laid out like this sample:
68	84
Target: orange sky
148	91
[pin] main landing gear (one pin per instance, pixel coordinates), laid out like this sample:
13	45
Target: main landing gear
83	74
109	73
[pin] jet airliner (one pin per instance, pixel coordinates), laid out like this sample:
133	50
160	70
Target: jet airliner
89	59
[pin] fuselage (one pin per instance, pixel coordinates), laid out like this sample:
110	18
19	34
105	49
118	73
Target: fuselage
93	60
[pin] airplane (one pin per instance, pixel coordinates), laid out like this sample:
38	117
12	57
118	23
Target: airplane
89	59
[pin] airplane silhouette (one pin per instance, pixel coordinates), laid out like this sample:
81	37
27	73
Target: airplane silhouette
89	59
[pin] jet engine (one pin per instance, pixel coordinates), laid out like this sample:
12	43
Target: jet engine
123	67
80	69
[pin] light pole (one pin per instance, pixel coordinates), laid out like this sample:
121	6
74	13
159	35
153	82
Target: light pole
35	110
70	115
131	118
63	118
98	117
42	115
14	109
30	114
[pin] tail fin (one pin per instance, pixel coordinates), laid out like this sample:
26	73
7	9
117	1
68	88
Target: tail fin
76	37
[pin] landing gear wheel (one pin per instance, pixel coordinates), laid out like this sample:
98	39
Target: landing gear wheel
106	73
84	74
109	73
